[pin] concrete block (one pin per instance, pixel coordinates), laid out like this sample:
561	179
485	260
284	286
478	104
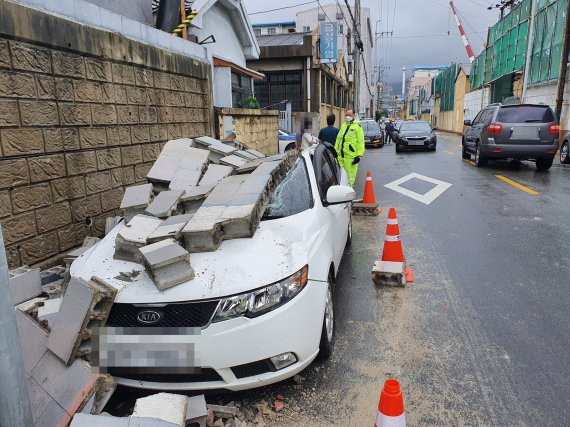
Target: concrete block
89	420
25	284
184	178
165	203
134	236
170	228
136	200
196	411
84	306
194	197
47	312
167	263
233	161
255	153
175	154
250	166
163	406
218	150
110	223
205	141
215	174
386	273
33	339
246	155
149	422
223	411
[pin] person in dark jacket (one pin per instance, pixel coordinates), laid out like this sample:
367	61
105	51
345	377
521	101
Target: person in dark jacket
329	133
389	129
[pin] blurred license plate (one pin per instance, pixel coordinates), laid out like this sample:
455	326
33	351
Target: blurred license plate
415	142
526	132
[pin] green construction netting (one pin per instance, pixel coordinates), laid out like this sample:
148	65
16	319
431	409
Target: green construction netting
508	42
443	85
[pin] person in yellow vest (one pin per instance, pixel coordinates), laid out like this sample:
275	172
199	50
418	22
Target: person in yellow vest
350	145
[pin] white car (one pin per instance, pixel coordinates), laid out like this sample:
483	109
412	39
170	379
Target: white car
261	308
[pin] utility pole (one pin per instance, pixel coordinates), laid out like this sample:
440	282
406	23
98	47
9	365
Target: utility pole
563	65
15	410
403	82
526	76
357	52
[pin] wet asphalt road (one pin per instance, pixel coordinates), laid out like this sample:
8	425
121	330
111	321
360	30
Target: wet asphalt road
482	336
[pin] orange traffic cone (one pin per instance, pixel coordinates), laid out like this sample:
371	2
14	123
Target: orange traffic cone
368	205
369	196
391	406
391	269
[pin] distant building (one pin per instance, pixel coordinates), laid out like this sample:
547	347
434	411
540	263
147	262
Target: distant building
274	28
419	102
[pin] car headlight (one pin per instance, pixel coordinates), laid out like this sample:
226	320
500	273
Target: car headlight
261	301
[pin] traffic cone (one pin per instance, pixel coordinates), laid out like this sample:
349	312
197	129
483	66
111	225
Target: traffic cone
391	406
391	269
369	196
368	206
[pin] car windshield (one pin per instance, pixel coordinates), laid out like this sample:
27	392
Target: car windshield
370	127
292	196
415	127
525	114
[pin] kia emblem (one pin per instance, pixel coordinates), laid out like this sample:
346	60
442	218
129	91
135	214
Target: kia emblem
149	317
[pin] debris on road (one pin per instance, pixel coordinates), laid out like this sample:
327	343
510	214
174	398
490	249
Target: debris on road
368	206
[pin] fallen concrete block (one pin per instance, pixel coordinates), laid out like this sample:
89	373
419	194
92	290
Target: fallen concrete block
215	174
110	223
89	420
136	200
184	178
194	197
233	161
163	406
173	156
85	305
31	307
387	273
54	385
33	339
171	227
167	263
205	141
255	153
134	236
246	155
165	203
219	150
47	311
196	411
25	284
177	147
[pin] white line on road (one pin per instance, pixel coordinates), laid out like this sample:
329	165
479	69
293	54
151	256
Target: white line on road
426	198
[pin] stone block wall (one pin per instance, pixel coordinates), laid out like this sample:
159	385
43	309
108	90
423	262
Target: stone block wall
258	129
83	114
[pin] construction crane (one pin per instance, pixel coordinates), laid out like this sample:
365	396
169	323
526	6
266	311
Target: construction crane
466	43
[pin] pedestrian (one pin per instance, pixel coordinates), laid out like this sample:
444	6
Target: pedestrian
349	145
389	129
329	133
303	137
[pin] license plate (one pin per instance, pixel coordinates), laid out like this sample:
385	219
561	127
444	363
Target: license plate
415	142
526	132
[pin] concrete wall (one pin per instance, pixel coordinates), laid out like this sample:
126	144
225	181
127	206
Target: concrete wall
475	101
83	113
139	10
452	121
258	129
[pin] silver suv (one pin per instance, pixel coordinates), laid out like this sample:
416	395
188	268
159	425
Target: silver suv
520	132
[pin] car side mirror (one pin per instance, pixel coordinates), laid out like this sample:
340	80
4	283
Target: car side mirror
338	194
435	128
467	122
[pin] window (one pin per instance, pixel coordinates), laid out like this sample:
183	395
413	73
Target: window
271	31
278	86
525	114
292	195
328	174
241	89
257	31
340	28
306	28
477	118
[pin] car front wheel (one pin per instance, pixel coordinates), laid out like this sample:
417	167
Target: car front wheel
543	164
480	159
565	153
398	149
464	154
328	332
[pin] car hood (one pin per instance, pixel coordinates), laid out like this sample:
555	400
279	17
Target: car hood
279	248
414	133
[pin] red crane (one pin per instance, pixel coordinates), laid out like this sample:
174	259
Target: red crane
468	48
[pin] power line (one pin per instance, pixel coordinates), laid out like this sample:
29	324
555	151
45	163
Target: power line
282	8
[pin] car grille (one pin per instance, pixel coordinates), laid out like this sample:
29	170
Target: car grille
416	138
253	369
194	314
142	374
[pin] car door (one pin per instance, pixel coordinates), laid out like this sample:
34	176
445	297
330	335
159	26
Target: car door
336	217
470	133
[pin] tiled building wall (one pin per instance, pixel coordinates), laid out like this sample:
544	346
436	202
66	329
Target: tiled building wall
79	122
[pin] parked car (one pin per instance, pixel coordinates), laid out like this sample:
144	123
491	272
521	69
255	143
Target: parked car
415	134
286	140
258	310
520	132
565	149
373	134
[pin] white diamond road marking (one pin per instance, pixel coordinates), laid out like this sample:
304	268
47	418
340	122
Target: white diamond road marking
426	198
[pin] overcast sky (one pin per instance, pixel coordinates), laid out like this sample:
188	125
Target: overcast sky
420	29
